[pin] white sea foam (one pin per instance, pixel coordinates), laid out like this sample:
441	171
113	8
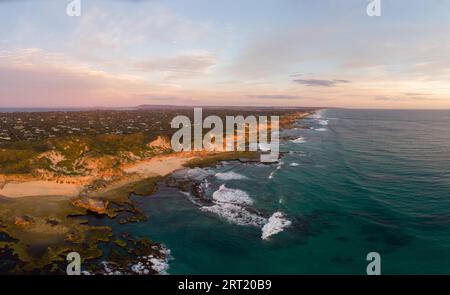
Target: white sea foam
278	168
317	115
229	176
108	268
235	214
301	139
321	129
198	173
193	173
323	122
230	195
142	267
276	224
230	205
159	265
294	164
280	165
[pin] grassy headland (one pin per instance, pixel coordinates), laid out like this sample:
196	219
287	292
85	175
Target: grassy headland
105	168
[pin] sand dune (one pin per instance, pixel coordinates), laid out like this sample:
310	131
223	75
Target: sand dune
159	166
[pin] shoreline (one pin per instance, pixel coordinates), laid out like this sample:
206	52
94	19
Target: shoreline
19	187
13	187
27	186
27	214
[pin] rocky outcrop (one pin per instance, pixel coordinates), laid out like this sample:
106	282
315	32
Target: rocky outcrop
23	221
94	205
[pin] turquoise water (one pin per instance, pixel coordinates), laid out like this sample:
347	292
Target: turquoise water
363	181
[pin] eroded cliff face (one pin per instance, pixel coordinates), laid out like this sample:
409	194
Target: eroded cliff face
160	144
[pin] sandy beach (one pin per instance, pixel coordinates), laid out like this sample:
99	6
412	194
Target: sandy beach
158	166
39	188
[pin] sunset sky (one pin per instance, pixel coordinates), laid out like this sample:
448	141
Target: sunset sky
201	52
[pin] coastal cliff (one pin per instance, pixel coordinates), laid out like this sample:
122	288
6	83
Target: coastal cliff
79	178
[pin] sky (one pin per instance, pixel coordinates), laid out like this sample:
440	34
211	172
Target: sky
328	53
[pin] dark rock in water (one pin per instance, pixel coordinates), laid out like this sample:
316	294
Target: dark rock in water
73	237
120	243
8	261
193	187
143	257
129	213
52	221
127	236
4	237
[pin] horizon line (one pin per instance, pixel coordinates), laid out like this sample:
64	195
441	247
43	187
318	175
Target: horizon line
149	106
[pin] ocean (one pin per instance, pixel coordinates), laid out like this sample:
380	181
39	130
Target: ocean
350	182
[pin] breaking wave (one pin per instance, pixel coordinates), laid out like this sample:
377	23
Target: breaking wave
230	176
301	139
235	214
321	129
230	205
317	115
276	224
230	195
323	122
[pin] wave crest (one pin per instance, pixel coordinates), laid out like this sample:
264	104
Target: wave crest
321	129
230	176
301	139
276	224
233	196
235	214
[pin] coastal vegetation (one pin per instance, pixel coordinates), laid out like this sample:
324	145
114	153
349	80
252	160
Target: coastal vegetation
65	155
37	231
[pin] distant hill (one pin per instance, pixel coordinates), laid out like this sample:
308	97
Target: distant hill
177	107
161	107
